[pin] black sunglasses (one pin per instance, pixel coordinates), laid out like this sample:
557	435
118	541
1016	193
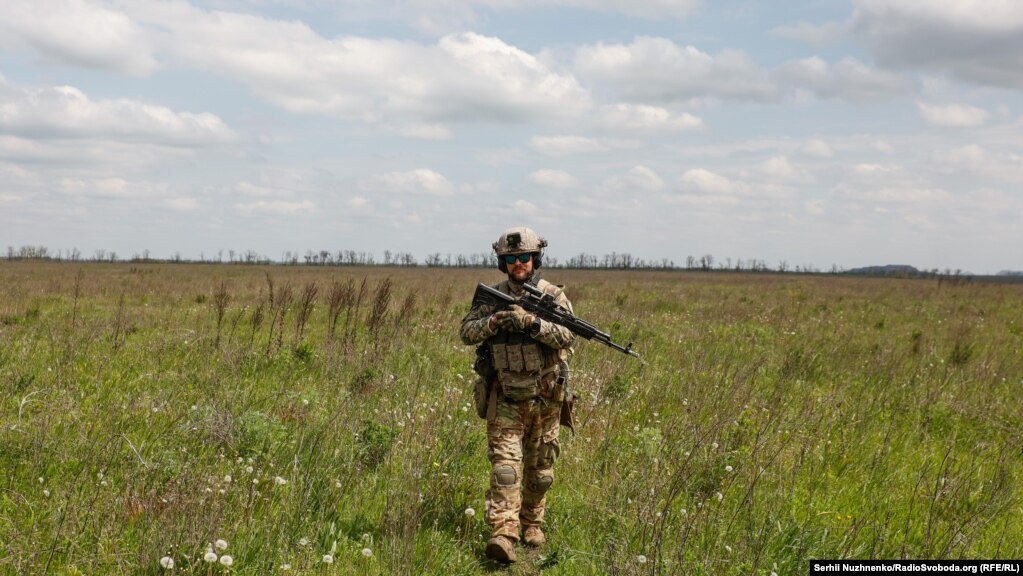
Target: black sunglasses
511	258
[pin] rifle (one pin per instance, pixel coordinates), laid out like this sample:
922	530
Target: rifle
543	306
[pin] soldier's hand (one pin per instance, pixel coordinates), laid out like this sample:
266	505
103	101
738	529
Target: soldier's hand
514	318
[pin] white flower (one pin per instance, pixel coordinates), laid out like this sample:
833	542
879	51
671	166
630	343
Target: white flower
248	469
167	562
210	556
328	559
728	468
303	542
41	480
719	496
367	552
714	445
226	560
641	559
220	545
470	512
227	479
280	481
46	493
255	480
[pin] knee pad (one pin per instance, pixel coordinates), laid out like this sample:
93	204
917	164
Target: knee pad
543	483
505	475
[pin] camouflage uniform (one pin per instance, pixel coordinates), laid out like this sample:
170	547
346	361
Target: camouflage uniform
523	414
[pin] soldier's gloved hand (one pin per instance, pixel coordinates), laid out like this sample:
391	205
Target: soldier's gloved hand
514	318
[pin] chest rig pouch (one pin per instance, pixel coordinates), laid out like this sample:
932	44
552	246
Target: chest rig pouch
521	363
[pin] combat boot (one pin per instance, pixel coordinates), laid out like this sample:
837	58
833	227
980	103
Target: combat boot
501	549
533	536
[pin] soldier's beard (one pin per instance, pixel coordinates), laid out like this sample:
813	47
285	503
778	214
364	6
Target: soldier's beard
520	274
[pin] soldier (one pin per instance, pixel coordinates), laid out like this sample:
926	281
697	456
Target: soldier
525	381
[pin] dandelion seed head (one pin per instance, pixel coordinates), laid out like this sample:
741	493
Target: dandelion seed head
728	468
719	496
167	562
46	493
280	481
220	544
303	542
226	560
210	556
641	559
367	552
285	567
328	559
227	479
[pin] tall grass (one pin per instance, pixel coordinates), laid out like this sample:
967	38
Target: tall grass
148	410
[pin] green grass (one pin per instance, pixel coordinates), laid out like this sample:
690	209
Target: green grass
779	419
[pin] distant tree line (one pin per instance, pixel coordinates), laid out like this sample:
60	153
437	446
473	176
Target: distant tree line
612	261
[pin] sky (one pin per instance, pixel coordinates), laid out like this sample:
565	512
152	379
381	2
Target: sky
821	133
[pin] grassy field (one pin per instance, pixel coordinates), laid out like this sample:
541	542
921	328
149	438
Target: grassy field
318	421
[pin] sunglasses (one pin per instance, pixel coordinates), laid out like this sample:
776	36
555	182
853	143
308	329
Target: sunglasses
511	258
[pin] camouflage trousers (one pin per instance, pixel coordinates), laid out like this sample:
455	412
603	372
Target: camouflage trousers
522	445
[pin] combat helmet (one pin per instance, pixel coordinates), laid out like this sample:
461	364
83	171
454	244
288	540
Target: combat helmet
519	240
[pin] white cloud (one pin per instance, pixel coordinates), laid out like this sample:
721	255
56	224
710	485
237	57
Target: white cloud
871	169
416	88
67	112
706	181
646	118
101	187
658	70
897	195
79	32
637	178
778	167
952	115
277	208
817	149
181	204
848	79
439	16
558	179
566	145
976	40
464	77
420	181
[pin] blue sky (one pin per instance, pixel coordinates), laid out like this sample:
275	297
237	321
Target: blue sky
816	133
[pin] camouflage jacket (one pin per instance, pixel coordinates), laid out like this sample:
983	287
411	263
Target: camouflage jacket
475	326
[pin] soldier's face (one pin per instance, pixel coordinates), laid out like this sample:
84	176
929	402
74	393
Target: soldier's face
520	271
